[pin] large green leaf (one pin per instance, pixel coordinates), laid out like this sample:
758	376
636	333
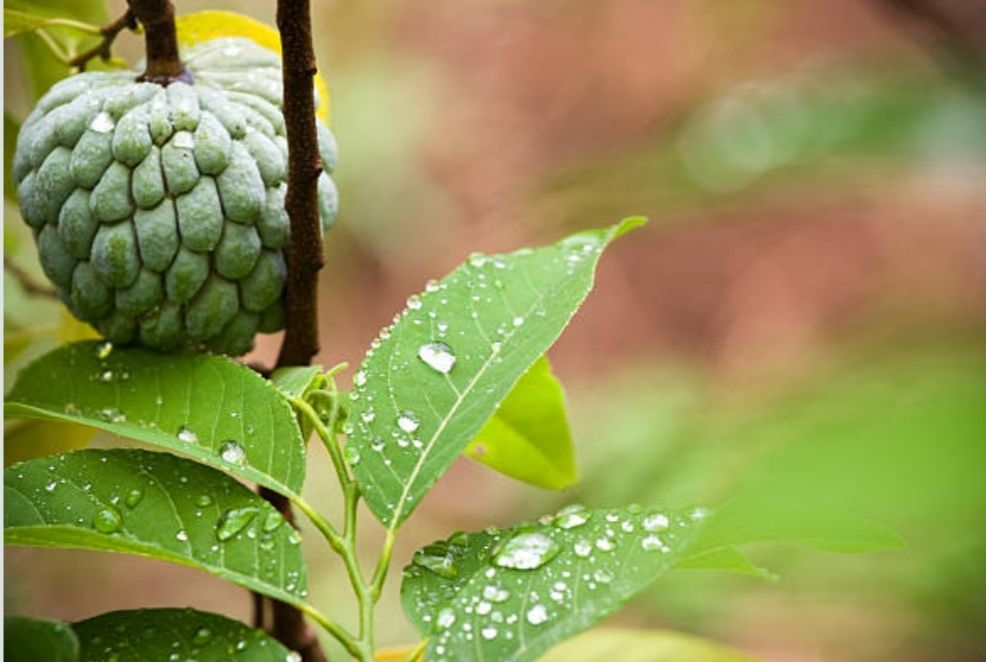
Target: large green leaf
174	634
612	644
32	640
434	378
209	407
512	594
157	505
529	438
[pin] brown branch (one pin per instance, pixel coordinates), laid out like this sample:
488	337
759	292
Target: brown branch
304	258
305	255
160	42
103	50
28	282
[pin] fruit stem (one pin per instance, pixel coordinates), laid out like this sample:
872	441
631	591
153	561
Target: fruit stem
164	66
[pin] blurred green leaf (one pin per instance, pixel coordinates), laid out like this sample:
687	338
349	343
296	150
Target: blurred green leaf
11	128
32	640
431	382
157	505
294	382
28	439
528	438
186	634
16	22
725	558
210	407
512	594
609	644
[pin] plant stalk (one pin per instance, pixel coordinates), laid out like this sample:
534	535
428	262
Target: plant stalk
164	65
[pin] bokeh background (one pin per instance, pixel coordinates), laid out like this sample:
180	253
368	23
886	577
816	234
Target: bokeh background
802	321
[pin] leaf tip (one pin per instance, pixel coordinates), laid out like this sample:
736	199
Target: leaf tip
626	225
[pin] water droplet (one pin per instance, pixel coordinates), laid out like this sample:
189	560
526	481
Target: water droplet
438	558
181	535
602	576
203	501
483	608
518	321
104	349
495	593
537	615
107	520
202	636
432	286
52	486
656	522
187	435
368	416
359	379
605	544
438	356
650	543
352	454
232	452
273	520
133	497
293	656
233	521
571	517
106	376
102	123
489	632
583	548
112	415
526	551
477	260
446	618
699	514
414	302
407	421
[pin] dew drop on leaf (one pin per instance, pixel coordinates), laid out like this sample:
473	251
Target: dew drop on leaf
232	452
233	521
203	501
352	454
437	558
582	548
526	551
408	422
359	379
104	349
181	535
650	543
438	356
202	636
537	615
187	435
133	497
107	520
446	618
272	521
571	517
489	632
656	522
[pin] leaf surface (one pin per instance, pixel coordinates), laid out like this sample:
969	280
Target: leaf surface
433	379
208	407
158	505
529	438
610	644
38	641
184	634
513	594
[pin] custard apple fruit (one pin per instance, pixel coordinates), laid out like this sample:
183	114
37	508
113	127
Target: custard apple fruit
159	211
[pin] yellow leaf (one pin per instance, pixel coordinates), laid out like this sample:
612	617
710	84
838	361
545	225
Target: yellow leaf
28	439
71	329
210	24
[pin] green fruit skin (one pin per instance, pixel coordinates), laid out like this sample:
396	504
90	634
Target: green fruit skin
159	211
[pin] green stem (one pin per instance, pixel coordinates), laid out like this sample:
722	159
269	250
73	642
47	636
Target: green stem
417	651
342	635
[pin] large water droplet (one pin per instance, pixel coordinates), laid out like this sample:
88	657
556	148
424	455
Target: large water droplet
537	615
232	452
352	455
526	551
133	497
571	516
650	543
181	536
272	521
605	544
446	618
656	522
107	520
408	422
187	435
438	558
233	521
489	632
203	501
202	636
438	356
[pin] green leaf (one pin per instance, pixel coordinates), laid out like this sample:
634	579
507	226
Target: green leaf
611	644
528	438
726	558
211	408
157	505
295	382
38	641
431	381
182	634
17	22
512	594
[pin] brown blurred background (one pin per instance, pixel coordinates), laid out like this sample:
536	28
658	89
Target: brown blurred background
815	176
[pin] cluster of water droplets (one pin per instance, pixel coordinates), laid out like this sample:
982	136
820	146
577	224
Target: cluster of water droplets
576	552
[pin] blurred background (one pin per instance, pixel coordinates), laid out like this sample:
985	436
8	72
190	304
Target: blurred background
801	322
